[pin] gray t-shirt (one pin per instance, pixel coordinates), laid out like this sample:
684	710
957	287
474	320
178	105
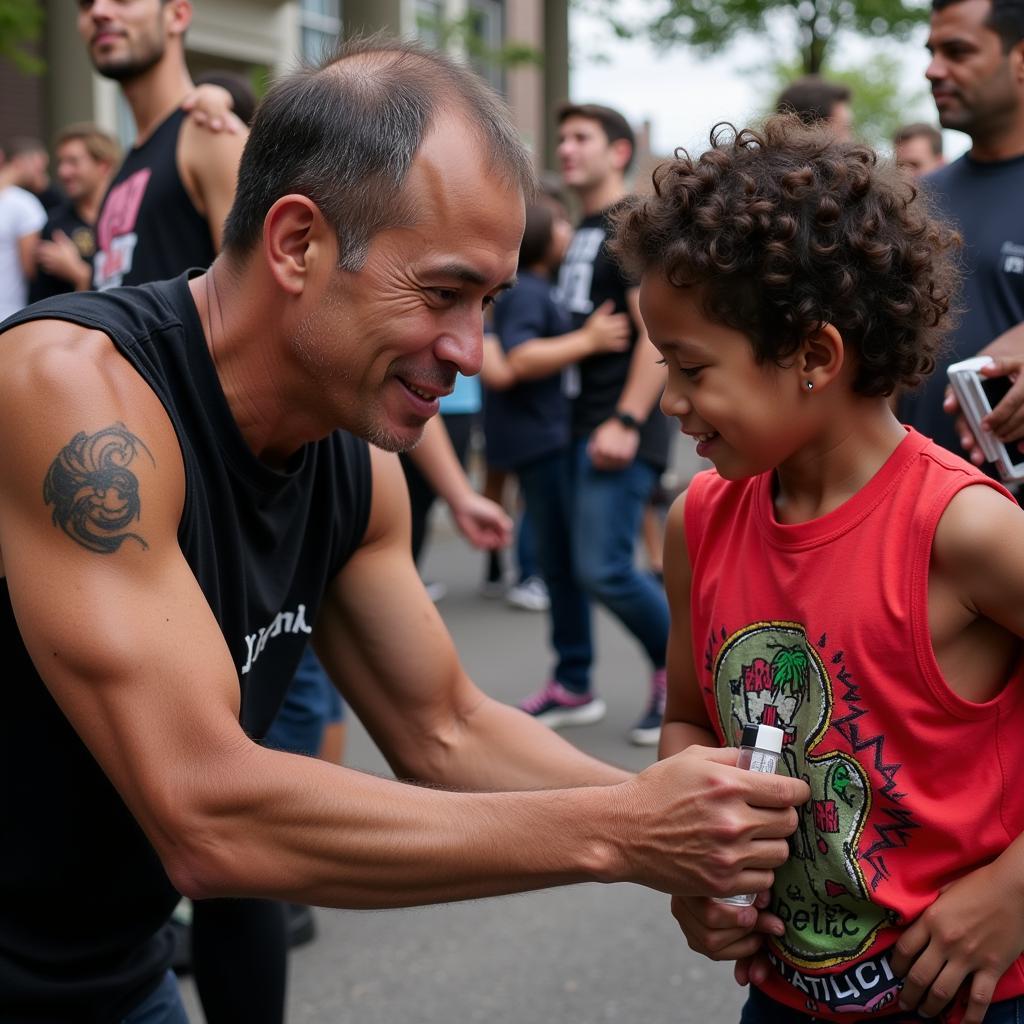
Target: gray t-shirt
985	202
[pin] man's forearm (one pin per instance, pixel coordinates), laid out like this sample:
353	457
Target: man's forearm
1010	343
295	827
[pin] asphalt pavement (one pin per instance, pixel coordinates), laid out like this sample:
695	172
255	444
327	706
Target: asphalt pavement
583	954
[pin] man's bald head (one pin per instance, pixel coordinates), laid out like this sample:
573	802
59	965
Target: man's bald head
345	133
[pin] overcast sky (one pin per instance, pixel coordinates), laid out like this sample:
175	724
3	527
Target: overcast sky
683	96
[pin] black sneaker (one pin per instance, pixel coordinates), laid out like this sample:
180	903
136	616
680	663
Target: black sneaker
647	731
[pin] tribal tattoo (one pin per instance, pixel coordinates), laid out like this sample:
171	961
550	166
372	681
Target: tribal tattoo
95	496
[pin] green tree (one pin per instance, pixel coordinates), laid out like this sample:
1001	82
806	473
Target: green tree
710	25
21	22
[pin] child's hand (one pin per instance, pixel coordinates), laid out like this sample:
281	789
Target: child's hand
607	331
723	932
971	933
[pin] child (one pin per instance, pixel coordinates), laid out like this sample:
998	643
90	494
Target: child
838	576
527	425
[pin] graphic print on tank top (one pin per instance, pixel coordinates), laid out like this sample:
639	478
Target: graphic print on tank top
769	672
115	232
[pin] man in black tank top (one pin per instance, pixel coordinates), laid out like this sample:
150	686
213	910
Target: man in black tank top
180	512
165	208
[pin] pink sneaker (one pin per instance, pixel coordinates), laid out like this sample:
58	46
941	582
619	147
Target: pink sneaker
647	731
556	706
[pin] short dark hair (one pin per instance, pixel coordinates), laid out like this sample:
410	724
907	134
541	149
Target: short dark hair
345	132
812	98
919	130
786	229
19	145
540	218
1006	19
612	123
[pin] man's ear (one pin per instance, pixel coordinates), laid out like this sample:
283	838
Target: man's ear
821	357
296	240
179	16
622	151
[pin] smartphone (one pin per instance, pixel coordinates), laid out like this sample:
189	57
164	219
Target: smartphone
978	396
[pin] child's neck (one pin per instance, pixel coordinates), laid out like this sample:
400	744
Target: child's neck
541	269
838	463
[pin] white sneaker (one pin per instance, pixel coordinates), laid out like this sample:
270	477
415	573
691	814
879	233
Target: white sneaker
531	595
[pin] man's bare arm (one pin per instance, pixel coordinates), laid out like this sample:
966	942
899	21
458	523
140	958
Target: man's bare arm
208	163
90	497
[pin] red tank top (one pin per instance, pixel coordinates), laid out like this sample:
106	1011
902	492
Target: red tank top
821	628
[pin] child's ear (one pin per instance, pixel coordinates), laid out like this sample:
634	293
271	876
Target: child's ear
821	357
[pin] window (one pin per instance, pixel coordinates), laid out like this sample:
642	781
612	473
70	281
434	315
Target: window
319	26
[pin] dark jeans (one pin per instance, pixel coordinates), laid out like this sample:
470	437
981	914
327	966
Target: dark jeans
162	1006
759	1009
545	486
608	507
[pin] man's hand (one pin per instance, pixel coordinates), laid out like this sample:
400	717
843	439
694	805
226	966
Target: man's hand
62	259
613	445
707	828
484	523
970	934
1006	421
209	106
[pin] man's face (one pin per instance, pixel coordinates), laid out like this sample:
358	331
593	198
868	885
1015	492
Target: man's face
585	155
78	173
385	342
972	79
31	169
840	120
916	156
125	38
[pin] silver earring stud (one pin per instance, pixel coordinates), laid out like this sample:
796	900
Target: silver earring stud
810	385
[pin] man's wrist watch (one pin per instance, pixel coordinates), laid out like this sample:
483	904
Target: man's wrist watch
628	420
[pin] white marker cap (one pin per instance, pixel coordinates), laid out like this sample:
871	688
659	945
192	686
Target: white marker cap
770	738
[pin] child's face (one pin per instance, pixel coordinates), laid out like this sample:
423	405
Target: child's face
746	418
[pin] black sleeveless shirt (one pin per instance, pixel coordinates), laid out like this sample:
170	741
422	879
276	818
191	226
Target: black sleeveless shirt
83	895
148	229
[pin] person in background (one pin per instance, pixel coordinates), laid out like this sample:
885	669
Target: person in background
34	163
918	148
21	221
620	439
86	159
529	427
977	80
813	99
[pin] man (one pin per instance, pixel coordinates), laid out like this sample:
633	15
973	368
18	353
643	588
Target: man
166	206
86	158
918	148
173	479
620	439
816	99
977	80
34	163
21	220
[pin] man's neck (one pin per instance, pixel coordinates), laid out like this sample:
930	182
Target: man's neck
1002	143
599	197
157	93
88	207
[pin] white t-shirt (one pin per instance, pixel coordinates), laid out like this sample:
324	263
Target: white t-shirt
21	214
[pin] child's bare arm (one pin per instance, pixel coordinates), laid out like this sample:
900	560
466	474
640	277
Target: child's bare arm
495	373
686	719
719	931
974	930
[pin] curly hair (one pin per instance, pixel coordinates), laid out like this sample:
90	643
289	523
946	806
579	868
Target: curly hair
786	230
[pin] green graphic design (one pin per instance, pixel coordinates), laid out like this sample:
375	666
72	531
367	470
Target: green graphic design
770	673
